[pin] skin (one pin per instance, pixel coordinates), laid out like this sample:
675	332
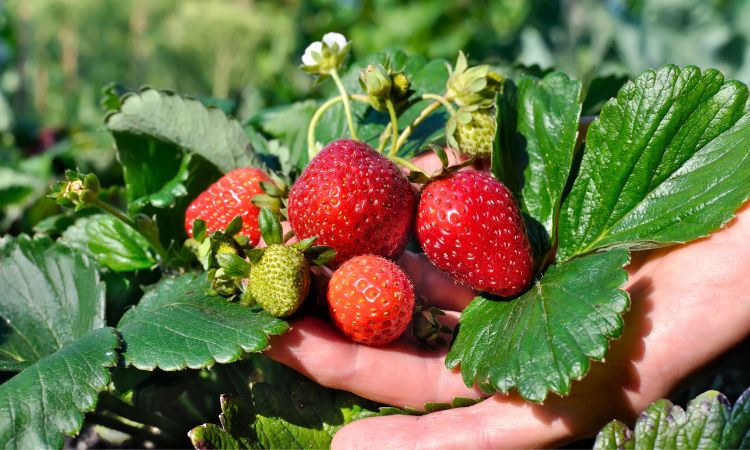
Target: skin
689	305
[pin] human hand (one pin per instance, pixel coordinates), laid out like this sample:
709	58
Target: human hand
688	307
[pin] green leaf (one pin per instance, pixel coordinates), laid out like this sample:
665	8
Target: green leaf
110	242
544	339
233	265
707	415
50	295
320	255
286	410
737	431
185	123
118	246
149	167
668	161
270	227
289	125
234	226
47	400
171	188
171	148
212	436
305	415
615	436
601	89
178	325
16	186
707	423
539	123
301	414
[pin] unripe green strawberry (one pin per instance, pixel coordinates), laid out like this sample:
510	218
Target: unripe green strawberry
475	132
280	280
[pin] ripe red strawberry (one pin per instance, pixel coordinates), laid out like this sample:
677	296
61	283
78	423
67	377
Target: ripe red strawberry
470	227
370	300
355	200
229	197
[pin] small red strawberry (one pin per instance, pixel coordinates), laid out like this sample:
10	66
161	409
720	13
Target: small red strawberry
470	227
370	300
355	200
229	197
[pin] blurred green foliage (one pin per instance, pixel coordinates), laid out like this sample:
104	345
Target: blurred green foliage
62	52
243	56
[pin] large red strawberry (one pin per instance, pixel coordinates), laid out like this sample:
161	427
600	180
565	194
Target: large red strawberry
470	227
370	300
355	200
229	197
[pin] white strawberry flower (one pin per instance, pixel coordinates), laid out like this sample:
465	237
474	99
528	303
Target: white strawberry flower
322	57
335	41
312	54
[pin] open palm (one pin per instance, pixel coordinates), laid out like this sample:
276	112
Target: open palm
689	305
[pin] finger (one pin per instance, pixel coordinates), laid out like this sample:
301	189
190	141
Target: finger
430	163
496	422
314	348
437	287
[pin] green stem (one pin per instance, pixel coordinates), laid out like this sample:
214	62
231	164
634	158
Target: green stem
113	404
360	98
345	98
137	433
314	122
442	100
155	244
431	108
383	139
394	126
319	113
405	162
116	213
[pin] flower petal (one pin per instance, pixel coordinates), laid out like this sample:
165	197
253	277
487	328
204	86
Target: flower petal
307	58
335	39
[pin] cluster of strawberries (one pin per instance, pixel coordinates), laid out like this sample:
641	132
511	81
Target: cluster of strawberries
357	202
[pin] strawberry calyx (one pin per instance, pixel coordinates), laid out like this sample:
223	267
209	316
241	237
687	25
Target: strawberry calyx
272	232
427	328
229	259
77	191
473	87
211	249
446	170
275	195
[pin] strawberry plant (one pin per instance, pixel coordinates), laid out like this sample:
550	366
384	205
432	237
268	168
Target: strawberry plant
150	313
708	421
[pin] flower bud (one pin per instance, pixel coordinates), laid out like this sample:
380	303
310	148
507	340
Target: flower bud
472	87
91	182
401	90
223	284
375	81
76	190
